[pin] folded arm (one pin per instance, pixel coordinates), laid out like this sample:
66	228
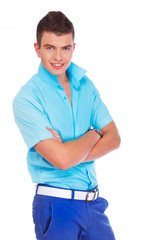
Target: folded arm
109	142
68	154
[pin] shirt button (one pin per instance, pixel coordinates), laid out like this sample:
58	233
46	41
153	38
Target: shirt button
60	87
65	98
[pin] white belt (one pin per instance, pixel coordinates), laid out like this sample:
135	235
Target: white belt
88	196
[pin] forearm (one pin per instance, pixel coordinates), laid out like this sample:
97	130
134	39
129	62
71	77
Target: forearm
68	154
77	150
109	142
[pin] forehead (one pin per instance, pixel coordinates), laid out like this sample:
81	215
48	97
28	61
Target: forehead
57	40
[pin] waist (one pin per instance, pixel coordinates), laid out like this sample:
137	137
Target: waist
47	190
81	177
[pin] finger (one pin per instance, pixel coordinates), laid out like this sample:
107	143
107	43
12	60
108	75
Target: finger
51	130
55	134
58	139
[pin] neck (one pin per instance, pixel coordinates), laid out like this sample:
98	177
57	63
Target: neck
63	79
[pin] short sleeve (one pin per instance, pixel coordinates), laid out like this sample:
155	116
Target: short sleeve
31	120
100	114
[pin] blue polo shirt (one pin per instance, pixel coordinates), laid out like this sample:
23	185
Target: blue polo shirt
41	103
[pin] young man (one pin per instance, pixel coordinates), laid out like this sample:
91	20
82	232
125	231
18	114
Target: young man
65	126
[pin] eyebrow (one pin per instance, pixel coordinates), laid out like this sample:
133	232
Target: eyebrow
50	45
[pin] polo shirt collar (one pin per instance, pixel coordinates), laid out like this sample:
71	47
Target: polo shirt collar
74	72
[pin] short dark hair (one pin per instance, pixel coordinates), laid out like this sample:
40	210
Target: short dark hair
56	22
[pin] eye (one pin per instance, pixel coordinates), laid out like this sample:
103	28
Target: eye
67	48
50	48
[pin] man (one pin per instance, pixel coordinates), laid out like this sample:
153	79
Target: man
65	126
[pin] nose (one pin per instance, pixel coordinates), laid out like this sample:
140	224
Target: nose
58	55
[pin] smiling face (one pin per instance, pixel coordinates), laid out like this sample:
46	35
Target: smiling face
56	52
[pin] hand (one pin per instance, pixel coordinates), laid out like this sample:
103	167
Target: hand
55	134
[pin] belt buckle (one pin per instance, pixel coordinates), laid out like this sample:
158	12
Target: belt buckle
94	196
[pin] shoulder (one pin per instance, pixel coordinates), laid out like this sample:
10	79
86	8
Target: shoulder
28	95
87	82
29	89
88	85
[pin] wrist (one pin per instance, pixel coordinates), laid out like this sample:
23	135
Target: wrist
97	131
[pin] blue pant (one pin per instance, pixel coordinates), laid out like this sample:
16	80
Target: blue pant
65	219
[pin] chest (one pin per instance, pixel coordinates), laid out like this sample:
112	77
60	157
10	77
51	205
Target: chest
68	110
67	90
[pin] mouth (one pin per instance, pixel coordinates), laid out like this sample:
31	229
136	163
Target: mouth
57	65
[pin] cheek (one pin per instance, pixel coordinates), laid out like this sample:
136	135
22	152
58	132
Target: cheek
68	57
46	56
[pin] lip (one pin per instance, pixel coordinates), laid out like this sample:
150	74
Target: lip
57	65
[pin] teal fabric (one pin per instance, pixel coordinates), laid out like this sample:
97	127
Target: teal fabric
41	103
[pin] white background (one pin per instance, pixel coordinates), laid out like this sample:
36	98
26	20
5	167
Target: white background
118	42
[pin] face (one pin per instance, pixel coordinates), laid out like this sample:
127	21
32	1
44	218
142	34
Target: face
56	52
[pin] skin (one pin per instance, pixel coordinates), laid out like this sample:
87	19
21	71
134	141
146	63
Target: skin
56	54
56	50
109	141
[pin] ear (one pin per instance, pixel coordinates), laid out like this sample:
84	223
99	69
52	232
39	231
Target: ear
74	45
37	49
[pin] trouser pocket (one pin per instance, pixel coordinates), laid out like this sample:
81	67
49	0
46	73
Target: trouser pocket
48	221
42	217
